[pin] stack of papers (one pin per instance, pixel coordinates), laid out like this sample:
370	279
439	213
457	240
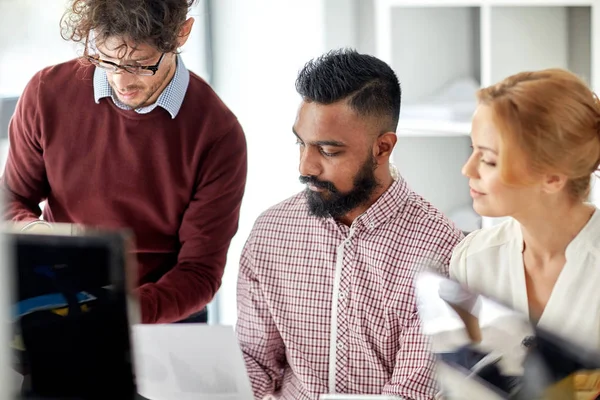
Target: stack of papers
189	362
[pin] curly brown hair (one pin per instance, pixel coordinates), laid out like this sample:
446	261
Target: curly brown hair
154	22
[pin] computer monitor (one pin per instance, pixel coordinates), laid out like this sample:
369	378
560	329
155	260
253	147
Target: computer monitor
69	312
486	350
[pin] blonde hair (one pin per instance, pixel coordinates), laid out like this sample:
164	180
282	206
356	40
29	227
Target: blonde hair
549	122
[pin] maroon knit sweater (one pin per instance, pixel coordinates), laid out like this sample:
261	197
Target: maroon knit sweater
177	184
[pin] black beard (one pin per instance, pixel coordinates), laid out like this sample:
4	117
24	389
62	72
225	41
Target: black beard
333	203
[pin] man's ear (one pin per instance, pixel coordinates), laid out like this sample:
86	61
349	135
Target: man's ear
185	31
384	144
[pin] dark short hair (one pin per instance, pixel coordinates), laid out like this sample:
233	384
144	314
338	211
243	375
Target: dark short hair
368	84
154	22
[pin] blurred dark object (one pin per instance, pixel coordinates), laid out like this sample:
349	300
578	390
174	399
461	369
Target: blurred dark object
78	348
552	360
483	366
529	341
515	358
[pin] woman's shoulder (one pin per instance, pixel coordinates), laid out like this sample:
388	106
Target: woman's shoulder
483	247
492	237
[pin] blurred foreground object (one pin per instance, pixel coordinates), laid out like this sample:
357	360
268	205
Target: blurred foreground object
489	351
41	227
70	318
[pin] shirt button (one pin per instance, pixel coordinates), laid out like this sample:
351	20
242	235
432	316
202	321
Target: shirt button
342	295
340	346
348	242
372	225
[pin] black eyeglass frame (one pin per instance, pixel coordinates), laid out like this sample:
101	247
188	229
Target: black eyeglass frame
116	67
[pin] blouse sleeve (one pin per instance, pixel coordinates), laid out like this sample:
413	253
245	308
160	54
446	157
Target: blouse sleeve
458	262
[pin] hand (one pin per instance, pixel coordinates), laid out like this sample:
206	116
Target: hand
37	227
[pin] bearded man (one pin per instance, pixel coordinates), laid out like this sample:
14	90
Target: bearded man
326	300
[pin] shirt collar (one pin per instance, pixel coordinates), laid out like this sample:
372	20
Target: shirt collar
170	99
389	204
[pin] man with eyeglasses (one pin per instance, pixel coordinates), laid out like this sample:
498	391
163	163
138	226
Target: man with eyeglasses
127	137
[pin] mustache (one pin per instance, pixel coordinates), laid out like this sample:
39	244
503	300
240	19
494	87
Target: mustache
311	180
131	89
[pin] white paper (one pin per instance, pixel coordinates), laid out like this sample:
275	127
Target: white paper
189	361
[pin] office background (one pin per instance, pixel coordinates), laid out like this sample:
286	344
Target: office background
251	50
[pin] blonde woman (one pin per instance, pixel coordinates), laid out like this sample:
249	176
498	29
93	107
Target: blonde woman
536	143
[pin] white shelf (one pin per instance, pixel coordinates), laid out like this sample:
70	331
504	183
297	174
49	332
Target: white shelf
423	162
428	3
533	38
430	48
432	44
433	128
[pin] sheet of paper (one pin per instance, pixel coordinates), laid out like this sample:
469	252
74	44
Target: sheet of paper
189	361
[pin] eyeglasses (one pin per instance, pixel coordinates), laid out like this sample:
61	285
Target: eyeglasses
148	70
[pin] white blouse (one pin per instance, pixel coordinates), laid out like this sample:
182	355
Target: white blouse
490	261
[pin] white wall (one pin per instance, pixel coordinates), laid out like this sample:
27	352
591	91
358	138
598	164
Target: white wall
350	23
580	41
195	50
366	27
432	47
341	23
259	47
521	37
29	40
432	167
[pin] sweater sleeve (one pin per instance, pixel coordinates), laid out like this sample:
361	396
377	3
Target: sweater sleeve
208	225
24	183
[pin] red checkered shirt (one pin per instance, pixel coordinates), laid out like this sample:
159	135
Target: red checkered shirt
327	308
